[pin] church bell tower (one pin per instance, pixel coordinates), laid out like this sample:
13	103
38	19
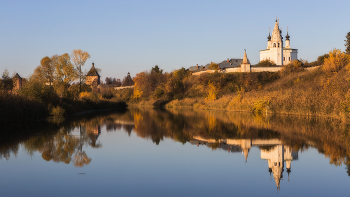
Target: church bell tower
276	45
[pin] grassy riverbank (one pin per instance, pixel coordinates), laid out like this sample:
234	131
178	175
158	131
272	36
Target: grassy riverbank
322	91
303	93
21	109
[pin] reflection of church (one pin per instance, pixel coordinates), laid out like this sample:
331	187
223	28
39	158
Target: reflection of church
276	156
93	133
271	149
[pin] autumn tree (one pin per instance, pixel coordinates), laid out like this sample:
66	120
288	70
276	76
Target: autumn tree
147	82
141	84
347	43
108	80
212	92
47	70
266	63
6	82
156	77
321	58
293	66
127	81
37	75
336	61
79	58
175	86
116	82
318	62
65	73
213	66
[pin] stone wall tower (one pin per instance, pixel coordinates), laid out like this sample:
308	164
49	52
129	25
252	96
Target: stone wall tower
245	66
92	77
17	82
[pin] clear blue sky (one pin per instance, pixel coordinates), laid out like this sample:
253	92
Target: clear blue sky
134	35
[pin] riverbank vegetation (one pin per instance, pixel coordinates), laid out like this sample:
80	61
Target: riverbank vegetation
209	127
51	91
295	89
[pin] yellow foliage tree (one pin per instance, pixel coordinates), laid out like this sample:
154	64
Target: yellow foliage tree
47	69
65	73
79	58
213	66
137	91
212	92
336	61
140	84
293	66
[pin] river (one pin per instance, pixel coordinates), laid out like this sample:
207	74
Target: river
148	152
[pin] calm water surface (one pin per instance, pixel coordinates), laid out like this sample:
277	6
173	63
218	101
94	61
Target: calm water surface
178	153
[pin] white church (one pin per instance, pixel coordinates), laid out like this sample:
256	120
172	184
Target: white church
276	52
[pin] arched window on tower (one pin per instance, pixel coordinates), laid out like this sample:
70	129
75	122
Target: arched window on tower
284	58
289	58
274	44
278	44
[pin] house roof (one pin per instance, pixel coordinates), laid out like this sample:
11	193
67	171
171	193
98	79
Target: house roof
224	64
200	68
230	64
17	76
92	71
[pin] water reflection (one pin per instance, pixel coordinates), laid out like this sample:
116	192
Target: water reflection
272	150
66	145
279	138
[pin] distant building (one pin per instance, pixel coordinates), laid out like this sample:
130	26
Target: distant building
17	82
127	81
92	77
229	63
275	51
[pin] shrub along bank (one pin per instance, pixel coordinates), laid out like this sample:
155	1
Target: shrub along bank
323	92
40	103
50	91
294	90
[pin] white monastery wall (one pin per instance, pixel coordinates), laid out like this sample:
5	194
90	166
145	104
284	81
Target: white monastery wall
265	69
233	70
201	72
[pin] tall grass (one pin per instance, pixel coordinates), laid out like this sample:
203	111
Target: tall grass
304	93
20	109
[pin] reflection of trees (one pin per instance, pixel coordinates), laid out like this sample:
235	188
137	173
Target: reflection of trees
81	159
58	148
64	147
5	152
347	163
53	140
328	136
157	124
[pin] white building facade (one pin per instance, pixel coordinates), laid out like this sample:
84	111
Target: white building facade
276	51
